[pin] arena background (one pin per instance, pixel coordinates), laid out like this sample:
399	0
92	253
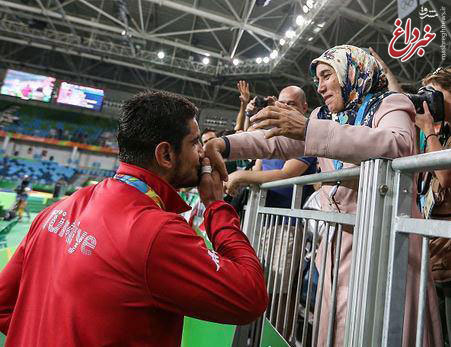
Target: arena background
195	48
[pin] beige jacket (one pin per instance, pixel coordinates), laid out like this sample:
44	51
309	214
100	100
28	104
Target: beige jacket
391	136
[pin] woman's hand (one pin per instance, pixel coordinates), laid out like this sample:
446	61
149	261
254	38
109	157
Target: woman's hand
284	121
425	121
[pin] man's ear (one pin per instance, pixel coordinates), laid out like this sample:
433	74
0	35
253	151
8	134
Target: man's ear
164	155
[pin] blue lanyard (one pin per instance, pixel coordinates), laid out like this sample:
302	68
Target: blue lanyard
142	187
338	164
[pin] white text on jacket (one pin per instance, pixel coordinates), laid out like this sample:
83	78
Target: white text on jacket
71	232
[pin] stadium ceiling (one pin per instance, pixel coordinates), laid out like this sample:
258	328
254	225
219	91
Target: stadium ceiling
201	48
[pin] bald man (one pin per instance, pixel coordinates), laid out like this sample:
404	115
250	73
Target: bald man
292	96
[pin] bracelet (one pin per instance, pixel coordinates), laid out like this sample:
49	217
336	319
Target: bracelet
426	140
226	153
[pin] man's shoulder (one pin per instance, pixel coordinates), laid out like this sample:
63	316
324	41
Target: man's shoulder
155	220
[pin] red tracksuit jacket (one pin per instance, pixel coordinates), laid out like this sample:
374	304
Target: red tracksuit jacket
108	267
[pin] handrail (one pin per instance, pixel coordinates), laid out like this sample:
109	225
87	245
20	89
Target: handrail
323	177
436	160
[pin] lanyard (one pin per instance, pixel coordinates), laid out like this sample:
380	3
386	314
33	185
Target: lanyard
338	164
142	187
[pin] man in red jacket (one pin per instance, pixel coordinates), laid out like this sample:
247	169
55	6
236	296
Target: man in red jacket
115	264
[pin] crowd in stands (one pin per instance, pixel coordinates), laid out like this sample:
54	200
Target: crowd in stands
39	171
66	127
45	171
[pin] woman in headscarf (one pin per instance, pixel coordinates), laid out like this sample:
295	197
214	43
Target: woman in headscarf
360	120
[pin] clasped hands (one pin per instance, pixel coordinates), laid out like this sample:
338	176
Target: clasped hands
283	120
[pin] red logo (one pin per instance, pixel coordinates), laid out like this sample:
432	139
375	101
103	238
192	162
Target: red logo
412	41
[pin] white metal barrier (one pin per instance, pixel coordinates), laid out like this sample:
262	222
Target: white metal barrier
381	227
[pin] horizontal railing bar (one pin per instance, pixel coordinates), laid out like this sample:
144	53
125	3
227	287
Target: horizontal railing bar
332	176
424	162
333	217
425	227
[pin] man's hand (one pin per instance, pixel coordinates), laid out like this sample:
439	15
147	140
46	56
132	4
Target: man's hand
235	182
284	120
210	187
425	121
243	88
250	108
213	151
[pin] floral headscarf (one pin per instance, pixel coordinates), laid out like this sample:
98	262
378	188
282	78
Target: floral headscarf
358	73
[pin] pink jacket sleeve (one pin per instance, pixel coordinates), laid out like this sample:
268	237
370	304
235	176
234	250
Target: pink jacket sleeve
253	145
392	136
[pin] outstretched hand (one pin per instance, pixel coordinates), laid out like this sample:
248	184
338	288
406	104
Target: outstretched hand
233	185
243	88
283	120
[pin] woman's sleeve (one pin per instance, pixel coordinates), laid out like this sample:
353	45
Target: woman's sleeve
392	135
254	145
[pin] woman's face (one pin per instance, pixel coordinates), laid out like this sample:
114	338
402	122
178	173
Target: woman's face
446	99
329	87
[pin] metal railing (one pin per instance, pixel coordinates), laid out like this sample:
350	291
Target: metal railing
287	242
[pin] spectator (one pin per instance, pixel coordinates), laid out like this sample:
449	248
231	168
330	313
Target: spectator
207	135
274	169
349	80
21	204
115	263
24	183
245	97
52	133
436	201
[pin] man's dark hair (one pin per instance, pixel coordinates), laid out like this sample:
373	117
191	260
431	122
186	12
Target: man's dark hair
149	118
207	130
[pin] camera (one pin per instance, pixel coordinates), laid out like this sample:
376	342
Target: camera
433	97
260	102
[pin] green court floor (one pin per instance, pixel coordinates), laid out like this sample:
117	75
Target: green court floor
13	238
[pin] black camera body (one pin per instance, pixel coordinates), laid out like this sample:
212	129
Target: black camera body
435	101
261	102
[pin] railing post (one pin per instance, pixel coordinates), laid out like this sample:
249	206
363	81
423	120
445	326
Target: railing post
393	321
257	198
366	293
